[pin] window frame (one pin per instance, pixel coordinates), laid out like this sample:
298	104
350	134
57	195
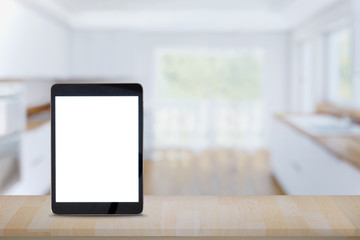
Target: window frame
341	25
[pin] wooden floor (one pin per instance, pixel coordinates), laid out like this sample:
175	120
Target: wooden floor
223	172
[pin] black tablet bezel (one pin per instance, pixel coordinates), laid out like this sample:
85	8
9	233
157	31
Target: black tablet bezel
96	207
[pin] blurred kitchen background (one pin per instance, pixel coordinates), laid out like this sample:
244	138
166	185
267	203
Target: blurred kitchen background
241	97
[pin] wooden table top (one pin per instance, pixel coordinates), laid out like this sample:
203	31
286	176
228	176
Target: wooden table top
191	216
345	147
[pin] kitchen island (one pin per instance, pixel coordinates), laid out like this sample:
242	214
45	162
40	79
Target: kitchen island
201	217
345	146
315	154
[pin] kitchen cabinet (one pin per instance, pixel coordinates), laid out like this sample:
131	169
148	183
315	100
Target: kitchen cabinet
24	143
12	125
9	160
303	166
35	153
35	160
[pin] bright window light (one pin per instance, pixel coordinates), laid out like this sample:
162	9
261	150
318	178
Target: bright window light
341	85
208	98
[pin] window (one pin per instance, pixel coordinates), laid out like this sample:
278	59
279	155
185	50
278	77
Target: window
208	98
307	83
341	85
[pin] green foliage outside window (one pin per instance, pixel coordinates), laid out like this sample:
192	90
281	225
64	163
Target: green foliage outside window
234	77
346	84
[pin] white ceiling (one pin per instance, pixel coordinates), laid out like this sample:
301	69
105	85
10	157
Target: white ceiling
79	6
183	15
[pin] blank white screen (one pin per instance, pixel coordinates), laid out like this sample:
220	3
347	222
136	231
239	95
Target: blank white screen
96	149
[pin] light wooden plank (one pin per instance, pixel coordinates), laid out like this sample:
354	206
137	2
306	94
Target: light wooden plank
351	207
8	207
192	216
340	224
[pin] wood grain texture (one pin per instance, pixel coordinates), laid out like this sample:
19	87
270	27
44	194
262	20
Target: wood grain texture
192	216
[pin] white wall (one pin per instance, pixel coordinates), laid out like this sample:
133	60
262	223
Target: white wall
314	31
103	54
32	45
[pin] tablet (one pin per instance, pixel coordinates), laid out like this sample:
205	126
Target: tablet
96	148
